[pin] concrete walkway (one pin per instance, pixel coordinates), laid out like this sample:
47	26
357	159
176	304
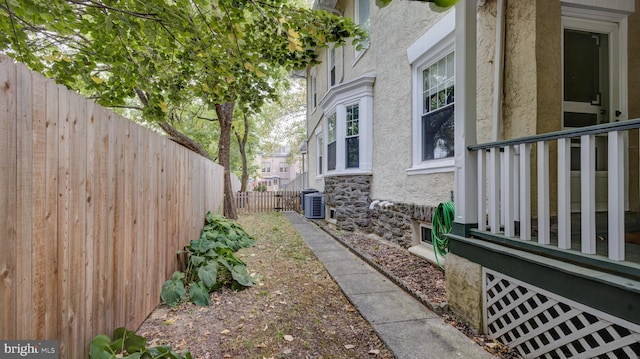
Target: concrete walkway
408	328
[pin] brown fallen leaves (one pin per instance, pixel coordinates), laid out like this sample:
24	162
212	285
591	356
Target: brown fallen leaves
294	310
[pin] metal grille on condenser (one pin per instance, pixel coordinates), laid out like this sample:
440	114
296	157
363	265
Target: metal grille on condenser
539	324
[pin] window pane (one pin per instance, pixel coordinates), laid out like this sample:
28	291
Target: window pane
332	128
320	149
353	148
450	92
331	156
353	115
581	61
450	66
438	134
425	77
363	14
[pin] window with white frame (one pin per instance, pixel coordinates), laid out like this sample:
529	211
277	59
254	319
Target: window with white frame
314	91
320	152
331	63
266	166
432	60
438	109
348	129
331	142
284	167
363	18
352	145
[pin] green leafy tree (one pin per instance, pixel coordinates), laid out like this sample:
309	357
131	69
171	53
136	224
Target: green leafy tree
158	55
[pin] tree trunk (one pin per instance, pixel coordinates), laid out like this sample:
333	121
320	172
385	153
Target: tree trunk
225	117
242	144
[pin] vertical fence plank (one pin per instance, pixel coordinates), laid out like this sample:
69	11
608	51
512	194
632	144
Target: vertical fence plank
525	191
129	248
64	227
102	311
494	190
564	193
24	141
119	251
8	191
38	224
482	191
616	196
544	225
51	242
91	176
78	200
588	194
508	190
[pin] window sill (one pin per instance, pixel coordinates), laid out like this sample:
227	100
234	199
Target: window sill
435	166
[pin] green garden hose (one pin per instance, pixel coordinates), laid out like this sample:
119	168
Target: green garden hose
442	221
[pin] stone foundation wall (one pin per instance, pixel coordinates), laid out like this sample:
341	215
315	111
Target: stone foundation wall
351	198
393	223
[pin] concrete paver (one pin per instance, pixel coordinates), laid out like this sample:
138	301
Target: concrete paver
408	328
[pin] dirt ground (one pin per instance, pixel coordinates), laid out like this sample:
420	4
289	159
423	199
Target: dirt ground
296	310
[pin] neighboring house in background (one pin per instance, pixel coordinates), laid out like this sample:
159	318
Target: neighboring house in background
544	255
274	171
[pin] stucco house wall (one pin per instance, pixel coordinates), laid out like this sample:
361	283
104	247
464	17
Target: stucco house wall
393	30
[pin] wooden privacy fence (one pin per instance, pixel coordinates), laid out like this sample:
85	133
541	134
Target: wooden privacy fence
253	202
92	210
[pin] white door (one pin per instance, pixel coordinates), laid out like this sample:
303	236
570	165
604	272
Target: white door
591	94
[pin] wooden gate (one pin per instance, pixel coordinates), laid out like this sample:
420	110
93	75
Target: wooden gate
253	202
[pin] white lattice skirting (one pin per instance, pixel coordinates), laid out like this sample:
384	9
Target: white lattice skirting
540	324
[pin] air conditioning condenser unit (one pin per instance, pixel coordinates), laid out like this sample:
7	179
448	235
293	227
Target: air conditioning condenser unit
314	206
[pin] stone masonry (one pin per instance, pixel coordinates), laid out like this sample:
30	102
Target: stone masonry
351	198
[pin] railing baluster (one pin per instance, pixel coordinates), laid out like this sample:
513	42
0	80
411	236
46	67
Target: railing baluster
525	191
494	189
508	203
482	191
544	228
588	193
616	195
564	193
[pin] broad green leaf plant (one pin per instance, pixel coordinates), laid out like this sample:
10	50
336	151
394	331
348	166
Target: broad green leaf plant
127	344
211	263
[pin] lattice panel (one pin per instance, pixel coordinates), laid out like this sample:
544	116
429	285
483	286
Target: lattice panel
540	324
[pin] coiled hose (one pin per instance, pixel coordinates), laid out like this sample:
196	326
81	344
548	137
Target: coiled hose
442	222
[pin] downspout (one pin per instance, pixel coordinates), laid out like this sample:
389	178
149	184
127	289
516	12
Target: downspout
498	73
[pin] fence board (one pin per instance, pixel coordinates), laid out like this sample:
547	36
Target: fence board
49	275
38	183
77	252
93	208
24	127
64	187
8	190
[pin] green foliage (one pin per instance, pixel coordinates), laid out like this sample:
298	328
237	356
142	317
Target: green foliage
436	5
175	51
127	344
211	263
